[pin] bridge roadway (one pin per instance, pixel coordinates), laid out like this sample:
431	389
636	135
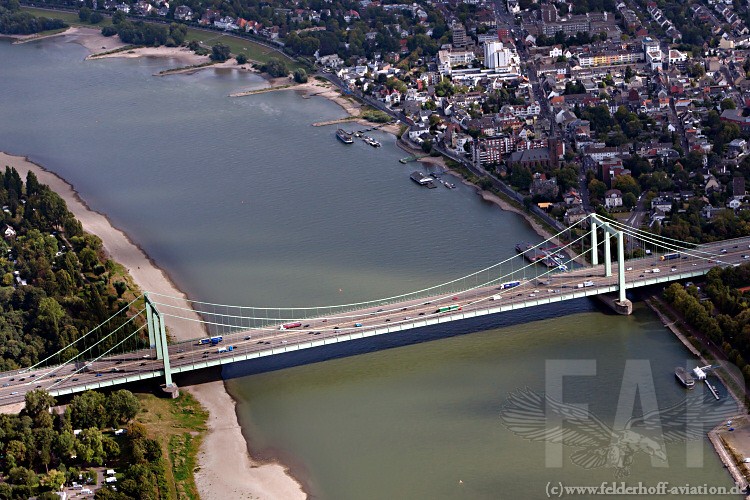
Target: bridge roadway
315	332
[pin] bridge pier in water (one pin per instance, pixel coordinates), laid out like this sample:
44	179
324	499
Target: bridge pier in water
157	338
621	304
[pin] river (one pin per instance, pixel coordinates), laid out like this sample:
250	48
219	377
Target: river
242	202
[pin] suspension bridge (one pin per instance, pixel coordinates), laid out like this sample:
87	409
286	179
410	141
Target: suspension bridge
132	345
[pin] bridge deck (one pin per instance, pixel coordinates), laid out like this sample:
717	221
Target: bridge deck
317	332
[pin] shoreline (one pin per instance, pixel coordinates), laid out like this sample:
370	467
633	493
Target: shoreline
721	447
257	478
253	478
244	474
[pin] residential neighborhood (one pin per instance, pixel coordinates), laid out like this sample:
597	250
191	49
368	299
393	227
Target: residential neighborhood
569	107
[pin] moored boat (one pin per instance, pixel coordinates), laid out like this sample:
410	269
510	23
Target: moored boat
684	377
344	137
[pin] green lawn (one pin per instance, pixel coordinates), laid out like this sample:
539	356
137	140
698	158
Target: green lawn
253	51
69	17
179	425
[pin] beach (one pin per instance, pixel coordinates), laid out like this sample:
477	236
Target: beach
225	467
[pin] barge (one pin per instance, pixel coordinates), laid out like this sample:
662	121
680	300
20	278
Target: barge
344	136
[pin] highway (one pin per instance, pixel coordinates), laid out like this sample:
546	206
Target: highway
377	320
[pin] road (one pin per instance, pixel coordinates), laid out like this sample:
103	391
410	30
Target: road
375	320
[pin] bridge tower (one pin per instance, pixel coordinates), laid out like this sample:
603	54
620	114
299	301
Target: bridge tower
622	304
157	339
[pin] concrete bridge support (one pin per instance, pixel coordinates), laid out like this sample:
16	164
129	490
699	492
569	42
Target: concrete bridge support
622	305
157	336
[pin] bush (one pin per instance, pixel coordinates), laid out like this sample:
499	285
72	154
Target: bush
275	67
300	76
241	58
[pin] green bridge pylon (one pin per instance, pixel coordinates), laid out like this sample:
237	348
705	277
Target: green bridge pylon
157	337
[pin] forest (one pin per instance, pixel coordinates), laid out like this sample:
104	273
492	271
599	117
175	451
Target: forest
40	451
725	317
15	22
56	282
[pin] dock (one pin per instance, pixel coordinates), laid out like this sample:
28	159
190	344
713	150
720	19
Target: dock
711	388
423	180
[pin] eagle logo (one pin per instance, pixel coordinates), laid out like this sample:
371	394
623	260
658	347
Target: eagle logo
596	444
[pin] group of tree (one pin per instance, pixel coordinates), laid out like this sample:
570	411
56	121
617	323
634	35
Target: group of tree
40	451
15	22
56	283
725	317
560	38
143	33
275	67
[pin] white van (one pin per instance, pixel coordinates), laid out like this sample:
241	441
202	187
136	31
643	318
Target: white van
496	297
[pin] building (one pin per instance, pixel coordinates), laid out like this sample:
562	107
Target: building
531	157
459	36
654	58
501	59
613	198
448	59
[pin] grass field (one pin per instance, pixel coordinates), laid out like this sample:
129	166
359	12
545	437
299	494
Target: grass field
69	17
254	51
178	425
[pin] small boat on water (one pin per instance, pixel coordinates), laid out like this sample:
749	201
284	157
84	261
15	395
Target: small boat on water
449	185
344	137
684	377
372	142
358	134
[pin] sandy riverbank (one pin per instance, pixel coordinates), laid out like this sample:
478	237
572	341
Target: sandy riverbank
224	443
226	469
219	477
116	243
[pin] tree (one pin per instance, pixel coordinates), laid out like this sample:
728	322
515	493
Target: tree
241	58
275	67
629	200
220	52
38	401
84	14
597	189
300	75
627	184
728	103
96	17
53	480
122	406
87	410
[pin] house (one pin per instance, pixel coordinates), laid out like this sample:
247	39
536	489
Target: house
613	198
738	186
574	214
662	203
709	211
183	13
9	233
572	197
543	187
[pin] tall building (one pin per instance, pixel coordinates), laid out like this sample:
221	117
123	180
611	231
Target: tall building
499	58
459	35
